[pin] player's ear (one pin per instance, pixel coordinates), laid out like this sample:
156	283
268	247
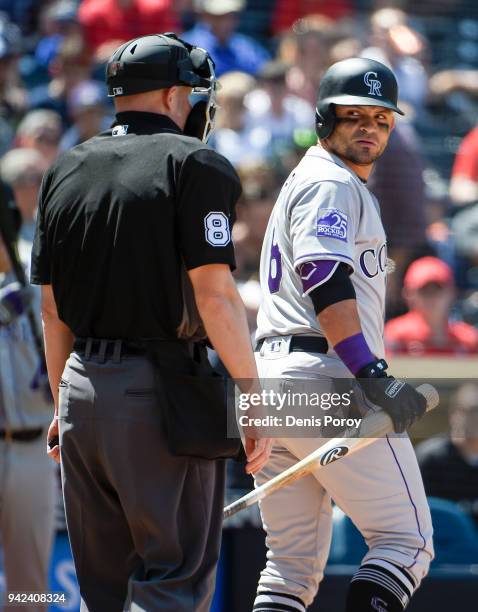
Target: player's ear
392	123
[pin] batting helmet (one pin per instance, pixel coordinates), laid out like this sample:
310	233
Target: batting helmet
354	82
161	61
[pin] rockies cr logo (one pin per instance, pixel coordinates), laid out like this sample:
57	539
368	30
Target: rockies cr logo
374	85
333	454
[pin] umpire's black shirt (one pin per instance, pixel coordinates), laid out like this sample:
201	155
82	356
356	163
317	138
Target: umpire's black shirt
119	214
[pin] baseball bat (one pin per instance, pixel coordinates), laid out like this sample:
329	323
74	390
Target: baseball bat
373	426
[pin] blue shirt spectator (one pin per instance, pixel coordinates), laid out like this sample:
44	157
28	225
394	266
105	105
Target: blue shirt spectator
18	10
230	50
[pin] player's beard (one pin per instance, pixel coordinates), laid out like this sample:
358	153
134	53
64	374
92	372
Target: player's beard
355	153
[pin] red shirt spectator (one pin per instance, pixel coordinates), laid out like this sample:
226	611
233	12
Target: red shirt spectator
122	20
464	176
287	12
426	329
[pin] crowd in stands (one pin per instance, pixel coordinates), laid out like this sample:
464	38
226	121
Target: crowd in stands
270	55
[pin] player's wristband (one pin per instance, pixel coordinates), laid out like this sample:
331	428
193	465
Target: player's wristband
354	352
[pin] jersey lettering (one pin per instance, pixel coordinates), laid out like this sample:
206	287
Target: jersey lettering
372	261
216	225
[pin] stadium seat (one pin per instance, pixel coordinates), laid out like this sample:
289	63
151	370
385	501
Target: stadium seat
455	539
455	534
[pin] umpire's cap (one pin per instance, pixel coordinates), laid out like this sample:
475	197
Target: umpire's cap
354	82
157	61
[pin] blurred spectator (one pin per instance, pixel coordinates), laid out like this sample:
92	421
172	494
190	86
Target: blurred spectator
41	130
18	11
233	137
397	182
72	65
22	170
449	464
287	12
108	23
58	21
12	95
275	111
344	49
216	32
464	228
446	82
260	189
426	329
87	107
453	9
306	50
396	44
464	179
28	491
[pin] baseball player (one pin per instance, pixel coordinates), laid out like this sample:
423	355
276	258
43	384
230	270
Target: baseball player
323	279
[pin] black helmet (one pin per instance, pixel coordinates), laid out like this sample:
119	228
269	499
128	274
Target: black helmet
160	61
354	82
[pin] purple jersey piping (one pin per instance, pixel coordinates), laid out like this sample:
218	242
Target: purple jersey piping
321	256
419	550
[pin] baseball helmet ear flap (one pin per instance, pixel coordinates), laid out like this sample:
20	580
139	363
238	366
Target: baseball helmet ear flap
324	120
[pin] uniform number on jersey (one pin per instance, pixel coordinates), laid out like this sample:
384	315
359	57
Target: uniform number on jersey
275	267
217	229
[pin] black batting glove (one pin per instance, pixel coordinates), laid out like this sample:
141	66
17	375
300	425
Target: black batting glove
400	401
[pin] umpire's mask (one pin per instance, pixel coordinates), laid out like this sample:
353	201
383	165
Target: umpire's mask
200	121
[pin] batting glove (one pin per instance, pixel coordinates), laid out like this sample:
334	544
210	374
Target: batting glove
400	401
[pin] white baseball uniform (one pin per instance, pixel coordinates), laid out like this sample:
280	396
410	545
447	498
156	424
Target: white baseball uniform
325	212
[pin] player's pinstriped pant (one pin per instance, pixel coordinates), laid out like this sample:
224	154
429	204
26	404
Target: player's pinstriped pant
379	488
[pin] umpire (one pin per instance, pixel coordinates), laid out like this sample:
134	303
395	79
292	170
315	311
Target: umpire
133	251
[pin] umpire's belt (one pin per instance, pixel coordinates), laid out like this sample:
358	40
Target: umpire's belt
103	349
106	349
302	344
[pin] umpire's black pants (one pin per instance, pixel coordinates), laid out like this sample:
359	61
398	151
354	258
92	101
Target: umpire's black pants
144	525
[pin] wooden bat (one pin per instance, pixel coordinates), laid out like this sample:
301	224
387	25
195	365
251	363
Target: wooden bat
373	426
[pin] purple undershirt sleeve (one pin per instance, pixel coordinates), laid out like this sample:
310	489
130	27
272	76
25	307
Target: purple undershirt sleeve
354	352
